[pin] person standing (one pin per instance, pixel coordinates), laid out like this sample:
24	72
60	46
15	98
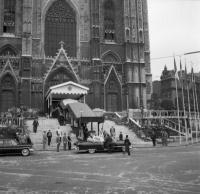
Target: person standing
35	125
58	141
44	140
127	144
64	142
153	138
121	136
69	142
49	136
165	134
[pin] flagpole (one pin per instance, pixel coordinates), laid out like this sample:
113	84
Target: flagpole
183	99
177	101
197	108
194	103
189	108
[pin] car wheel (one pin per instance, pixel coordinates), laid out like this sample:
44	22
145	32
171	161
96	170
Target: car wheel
25	152
91	151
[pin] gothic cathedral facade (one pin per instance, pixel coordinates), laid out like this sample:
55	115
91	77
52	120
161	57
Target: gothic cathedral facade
101	44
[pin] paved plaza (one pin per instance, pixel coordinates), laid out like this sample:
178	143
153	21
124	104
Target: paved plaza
167	170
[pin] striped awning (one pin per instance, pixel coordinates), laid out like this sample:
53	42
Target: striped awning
67	90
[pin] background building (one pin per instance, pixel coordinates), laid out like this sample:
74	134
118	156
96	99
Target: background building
164	91
102	44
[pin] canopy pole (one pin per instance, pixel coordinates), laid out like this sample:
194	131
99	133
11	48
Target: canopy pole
84	99
50	105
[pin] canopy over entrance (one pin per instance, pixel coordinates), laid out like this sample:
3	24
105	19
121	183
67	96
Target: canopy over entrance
83	113
67	90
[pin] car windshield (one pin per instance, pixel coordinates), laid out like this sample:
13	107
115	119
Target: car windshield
7	142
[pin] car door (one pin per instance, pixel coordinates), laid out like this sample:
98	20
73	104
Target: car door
7	146
15	147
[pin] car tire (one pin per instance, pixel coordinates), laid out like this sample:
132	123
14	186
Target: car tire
25	152
91	151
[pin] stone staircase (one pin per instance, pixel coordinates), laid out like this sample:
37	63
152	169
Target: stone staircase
46	124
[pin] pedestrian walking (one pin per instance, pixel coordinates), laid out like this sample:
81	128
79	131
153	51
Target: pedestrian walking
35	125
49	136
65	142
69	142
58	141
44	140
127	144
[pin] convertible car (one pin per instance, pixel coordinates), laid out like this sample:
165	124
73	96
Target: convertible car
12	147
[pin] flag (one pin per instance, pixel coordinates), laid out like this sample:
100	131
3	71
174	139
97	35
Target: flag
175	70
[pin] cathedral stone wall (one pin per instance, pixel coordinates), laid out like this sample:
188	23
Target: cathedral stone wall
112	56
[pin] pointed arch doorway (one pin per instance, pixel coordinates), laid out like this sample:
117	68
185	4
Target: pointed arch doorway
8	92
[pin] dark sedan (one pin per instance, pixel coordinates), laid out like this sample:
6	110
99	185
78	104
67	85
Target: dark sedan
11	147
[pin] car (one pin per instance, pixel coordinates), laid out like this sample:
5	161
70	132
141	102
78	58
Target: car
93	147
10	146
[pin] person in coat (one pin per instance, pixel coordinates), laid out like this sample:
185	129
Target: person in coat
58	141
127	144
153	138
35	125
121	136
69	142
65	142
44	140
49	136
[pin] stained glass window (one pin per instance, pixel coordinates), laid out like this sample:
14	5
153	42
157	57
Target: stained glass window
60	25
109	20
9	16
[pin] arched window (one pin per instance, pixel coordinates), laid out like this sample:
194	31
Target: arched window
60	25
109	20
9	16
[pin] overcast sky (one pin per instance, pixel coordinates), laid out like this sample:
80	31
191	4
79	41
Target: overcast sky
174	29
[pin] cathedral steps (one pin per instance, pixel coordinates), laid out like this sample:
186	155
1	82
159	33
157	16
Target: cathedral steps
46	124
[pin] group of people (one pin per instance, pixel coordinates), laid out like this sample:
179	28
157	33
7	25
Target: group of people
164	136
66	140
109	139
